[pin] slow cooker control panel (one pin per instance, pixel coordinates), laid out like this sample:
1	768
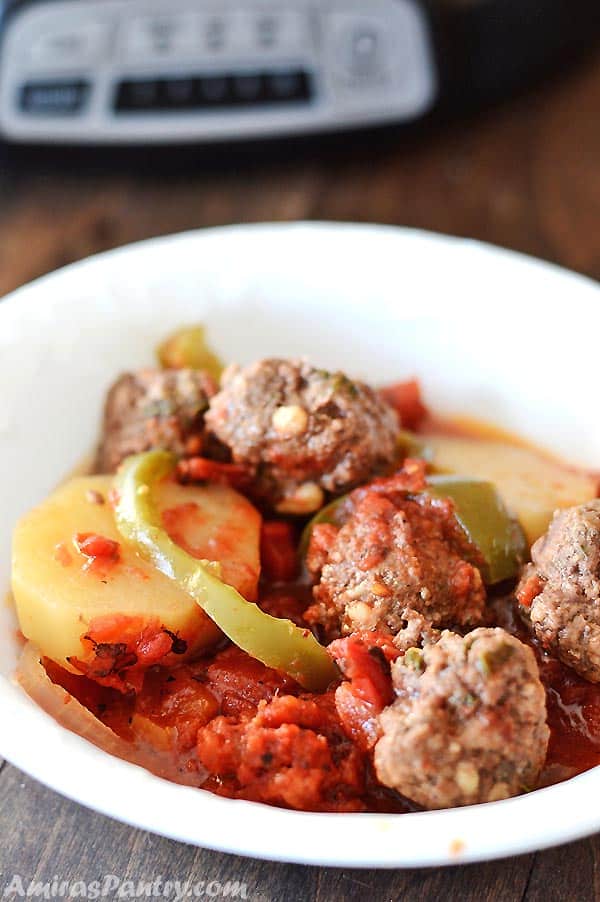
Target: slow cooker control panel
109	71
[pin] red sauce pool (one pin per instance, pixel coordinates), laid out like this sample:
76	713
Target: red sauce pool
169	720
175	703
573	718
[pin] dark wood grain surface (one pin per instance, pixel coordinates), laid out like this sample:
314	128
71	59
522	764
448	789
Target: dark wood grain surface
525	175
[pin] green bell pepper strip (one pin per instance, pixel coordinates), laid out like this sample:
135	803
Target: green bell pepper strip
412	445
327	514
189	349
276	642
488	526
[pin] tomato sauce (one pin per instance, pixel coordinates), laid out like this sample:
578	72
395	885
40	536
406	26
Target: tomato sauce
242	730
574	720
245	730
118	649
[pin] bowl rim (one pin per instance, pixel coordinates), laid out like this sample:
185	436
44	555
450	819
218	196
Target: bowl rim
431	838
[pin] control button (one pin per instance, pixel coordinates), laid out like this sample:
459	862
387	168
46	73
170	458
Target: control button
77	45
288	86
165	95
214	35
267	31
161	36
133	96
178	93
377	66
214	90
281	33
364	51
248	89
206	92
54	98
361	50
358	49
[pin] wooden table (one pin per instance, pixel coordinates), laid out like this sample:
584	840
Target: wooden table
525	175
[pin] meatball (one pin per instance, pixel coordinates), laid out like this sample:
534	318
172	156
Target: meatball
302	431
559	592
154	409
396	551
468	724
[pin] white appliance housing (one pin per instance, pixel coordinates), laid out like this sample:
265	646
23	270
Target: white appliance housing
137	71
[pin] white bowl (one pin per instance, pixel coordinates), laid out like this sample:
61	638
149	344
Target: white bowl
488	332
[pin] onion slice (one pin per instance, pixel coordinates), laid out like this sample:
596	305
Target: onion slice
70	713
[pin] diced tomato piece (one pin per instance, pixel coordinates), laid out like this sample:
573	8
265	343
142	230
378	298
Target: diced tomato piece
290	751
364	660
200	469
119	649
529	590
172	707
278	551
241	682
405	398
95	546
359	717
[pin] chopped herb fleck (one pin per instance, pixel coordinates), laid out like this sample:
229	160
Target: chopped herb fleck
413	658
490	661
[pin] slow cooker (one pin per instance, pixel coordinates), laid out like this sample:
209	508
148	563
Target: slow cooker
150	72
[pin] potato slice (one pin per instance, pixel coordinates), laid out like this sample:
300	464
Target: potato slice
57	597
215	523
532	486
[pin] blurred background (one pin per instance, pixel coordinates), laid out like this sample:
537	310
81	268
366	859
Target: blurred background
125	119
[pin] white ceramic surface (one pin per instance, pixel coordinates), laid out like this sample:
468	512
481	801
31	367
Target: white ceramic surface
488	332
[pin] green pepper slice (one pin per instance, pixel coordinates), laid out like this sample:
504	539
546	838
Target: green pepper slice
327	514
486	523
276	642
412	445
188	349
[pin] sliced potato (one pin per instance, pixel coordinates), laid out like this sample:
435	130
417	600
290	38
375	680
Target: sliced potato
215	523
58	594
532	486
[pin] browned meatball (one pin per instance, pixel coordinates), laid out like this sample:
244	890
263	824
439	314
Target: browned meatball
154	409
302	431
559	591
468	724
396	551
